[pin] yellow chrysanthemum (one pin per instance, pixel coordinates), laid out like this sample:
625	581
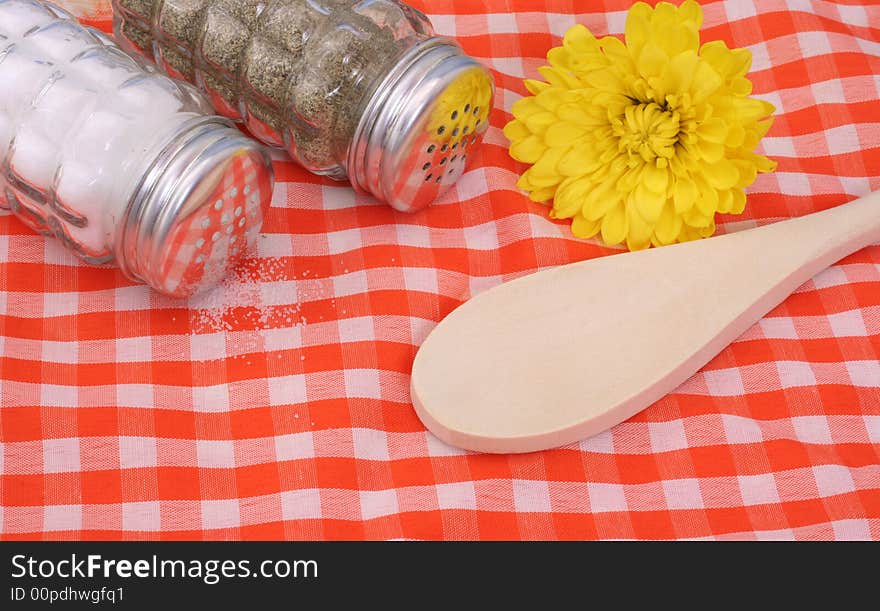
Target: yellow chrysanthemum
645	142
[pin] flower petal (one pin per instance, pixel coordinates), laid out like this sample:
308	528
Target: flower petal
656	179
764	164
535	87
741	86
516	131
679	73
639	235
742	61
599	201
648	203
684	195
540	121
579	39
580	160
652	60
707	202
713	130
725	201
551	99
562	133
739	201
570	197
710	151
722	174
694	218
525	107
706	82
559	78
528	150
615	225
638	26
544	172
585	229
736	135
669	225
544	194
747	172
691	11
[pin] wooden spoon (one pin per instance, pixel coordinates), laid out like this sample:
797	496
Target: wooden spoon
561	355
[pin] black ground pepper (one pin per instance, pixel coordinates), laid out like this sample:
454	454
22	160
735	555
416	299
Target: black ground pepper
246	11
224	40
179	20
289	25
303	68
267	68
227	90
140	37
142	9
177	60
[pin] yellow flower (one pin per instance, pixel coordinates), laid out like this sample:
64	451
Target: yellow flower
642	142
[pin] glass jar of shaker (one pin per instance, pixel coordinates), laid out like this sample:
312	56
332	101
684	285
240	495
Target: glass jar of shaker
120	162
363	91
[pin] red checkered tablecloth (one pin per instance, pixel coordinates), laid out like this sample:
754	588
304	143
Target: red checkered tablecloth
278	406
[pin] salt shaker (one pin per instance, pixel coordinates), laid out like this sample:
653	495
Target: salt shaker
120	162
363	91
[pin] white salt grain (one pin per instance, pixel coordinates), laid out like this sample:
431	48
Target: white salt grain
82	188
63	40
110	69
22	78
19	18
58	109
34	157
157	94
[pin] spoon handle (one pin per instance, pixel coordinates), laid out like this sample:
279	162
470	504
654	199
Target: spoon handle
839	231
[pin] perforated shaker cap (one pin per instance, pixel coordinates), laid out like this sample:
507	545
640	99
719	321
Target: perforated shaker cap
421	125
198	211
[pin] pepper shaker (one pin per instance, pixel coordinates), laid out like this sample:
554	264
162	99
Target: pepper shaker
363	91
118	161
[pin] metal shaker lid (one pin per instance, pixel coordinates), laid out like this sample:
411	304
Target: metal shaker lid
421	124
198	210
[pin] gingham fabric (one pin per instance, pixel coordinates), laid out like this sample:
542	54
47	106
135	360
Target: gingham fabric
278	407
